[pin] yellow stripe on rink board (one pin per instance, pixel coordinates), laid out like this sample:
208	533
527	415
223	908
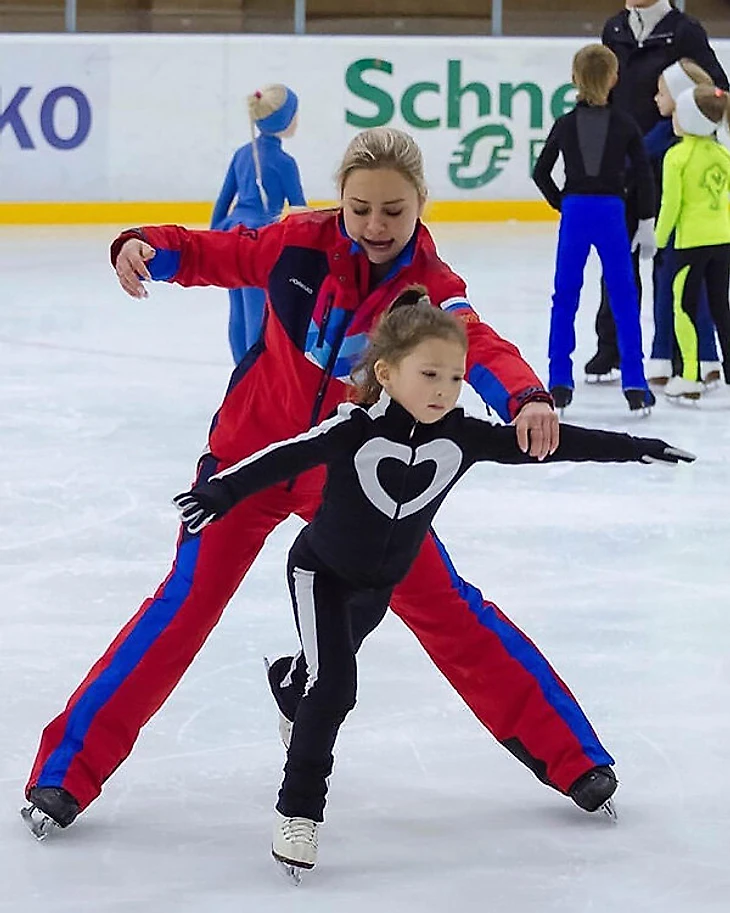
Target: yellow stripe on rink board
198	213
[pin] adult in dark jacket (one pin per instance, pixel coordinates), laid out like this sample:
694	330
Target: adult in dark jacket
647	37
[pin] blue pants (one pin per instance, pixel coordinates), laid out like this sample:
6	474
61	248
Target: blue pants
664	346
245	319
600	222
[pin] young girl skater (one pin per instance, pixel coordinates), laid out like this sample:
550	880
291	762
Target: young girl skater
696	178
262	177
391	460
595	142
680	76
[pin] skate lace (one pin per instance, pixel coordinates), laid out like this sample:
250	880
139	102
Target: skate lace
299	830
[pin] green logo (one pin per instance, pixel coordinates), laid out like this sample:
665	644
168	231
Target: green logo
713	180
487	112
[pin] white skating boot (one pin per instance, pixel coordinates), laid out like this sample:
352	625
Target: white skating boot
658	371
711	373
294	845
680	388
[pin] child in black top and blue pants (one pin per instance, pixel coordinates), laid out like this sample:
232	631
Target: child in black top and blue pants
391	460
595	142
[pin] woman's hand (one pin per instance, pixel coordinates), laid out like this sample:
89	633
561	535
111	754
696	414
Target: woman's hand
537	428
131	267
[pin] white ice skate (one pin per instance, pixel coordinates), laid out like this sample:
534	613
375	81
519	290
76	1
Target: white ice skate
711	373
294	845
679	388
658	371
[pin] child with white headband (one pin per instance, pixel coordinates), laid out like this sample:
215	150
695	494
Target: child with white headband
696	179
682	75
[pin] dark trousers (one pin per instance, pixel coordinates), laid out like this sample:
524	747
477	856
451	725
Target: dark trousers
597	221
665	345
708	265
333	618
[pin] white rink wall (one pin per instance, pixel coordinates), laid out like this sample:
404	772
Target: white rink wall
156	118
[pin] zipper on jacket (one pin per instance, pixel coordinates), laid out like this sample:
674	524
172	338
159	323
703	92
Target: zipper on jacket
326	376
325	320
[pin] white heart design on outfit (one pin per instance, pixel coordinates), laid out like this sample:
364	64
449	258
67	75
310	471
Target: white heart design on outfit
444	453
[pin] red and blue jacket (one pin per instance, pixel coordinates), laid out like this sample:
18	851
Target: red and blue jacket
320	309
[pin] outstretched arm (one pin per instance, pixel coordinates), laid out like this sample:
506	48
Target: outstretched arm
208	501
228	259
577	445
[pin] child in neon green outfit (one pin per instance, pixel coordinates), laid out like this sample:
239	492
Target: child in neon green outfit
696	180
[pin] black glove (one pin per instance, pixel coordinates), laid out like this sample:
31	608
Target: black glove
200	506
652	450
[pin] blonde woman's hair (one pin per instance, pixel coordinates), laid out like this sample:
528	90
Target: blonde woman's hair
594	70
714	103
410	320
695	72
261	104
384	147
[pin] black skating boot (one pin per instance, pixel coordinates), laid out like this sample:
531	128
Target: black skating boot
601	365
562	396
50	807
593	790
639	399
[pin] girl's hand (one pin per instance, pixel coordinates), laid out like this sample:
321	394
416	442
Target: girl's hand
131	267
537	428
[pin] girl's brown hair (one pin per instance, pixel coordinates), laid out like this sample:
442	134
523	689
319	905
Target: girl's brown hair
595	68
714	103
384	147
410	320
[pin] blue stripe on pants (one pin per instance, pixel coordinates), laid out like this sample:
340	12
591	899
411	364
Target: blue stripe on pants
148	628
530	658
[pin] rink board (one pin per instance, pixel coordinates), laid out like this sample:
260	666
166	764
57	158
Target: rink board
126	128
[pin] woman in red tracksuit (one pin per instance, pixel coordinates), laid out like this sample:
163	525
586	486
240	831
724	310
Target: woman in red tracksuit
328	277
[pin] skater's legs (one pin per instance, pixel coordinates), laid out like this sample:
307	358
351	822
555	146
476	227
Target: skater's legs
691	264
245	319
497	670
573	249
612	242
717	276
325	612
85	744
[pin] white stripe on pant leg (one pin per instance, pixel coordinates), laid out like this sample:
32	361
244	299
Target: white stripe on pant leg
304	592
289	677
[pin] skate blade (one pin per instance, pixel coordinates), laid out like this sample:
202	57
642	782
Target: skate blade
609	810
644	412
685	398
613	375
292	873
38	823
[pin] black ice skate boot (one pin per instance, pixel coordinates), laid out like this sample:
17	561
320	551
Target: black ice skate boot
594	789
51	806
287	688
640	400
562	397
600	368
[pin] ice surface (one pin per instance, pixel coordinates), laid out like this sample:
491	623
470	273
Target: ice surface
620	573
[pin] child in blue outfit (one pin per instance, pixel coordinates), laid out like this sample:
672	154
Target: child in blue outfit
596	142
680	76
263	177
